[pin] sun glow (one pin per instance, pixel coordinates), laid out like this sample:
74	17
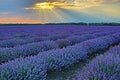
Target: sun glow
44	5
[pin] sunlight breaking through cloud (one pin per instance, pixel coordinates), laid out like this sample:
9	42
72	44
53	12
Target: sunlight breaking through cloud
61	11
67	4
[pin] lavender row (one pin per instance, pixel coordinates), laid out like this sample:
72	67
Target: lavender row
114	50
13	42
35	48
8	32
68	56
7	54
35	68
103	67
30	31
71	40
17	41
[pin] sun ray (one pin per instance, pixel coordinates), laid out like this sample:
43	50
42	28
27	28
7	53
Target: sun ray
58	16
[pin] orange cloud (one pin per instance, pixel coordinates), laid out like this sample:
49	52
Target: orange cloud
19	20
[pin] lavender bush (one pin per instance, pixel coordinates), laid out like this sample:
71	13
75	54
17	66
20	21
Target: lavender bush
26	50
71	40
63	43
78	39
35	68
35	48
18	41
15	42
103	67
57	36
11	42
114	50
24	69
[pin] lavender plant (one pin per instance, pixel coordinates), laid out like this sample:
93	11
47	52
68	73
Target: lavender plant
103	67
35	68
26	50
35	48
15	42
57	36
63	43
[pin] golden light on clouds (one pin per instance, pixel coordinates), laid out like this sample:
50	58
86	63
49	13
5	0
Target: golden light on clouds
43	5
18	20
65	4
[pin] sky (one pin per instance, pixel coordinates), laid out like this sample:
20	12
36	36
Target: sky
59	11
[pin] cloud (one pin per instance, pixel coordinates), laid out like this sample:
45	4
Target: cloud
80	1
88	3
19	20
107	1
66	4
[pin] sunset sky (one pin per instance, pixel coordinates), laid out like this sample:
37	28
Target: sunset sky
59	11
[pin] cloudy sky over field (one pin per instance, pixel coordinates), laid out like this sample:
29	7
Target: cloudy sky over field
52	11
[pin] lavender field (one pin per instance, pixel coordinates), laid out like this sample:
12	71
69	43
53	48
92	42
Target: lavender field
59	52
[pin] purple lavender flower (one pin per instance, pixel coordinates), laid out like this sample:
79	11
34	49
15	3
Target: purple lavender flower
26	50
33	68
103	67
